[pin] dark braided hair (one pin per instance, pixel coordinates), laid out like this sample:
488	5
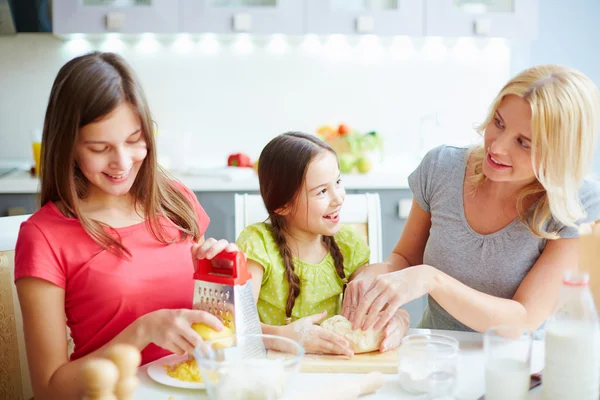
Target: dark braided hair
282	167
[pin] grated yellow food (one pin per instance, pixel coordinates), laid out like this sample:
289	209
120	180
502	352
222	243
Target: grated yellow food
185	371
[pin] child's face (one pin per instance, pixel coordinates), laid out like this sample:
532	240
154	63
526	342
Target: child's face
508	143
318	206
110	151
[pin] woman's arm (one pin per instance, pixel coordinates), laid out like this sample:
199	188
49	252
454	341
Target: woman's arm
531	304
410	248
52	375
408	251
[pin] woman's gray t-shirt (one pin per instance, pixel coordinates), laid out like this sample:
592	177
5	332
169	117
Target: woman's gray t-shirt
494	264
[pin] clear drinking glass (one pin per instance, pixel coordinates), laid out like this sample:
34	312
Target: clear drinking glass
427	364
248	366
507	362
36	147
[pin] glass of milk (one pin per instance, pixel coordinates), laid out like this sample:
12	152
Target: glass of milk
507	362
427	364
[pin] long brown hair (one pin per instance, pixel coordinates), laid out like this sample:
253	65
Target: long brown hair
282	167
86	89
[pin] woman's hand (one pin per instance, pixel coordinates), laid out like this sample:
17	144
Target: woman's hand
209	248
172	329
388	292
314	338
355	290
395	330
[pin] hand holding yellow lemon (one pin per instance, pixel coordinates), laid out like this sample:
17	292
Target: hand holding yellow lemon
208	333
188	370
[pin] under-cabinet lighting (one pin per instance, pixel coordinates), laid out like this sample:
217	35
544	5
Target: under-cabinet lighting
209	44
243	44
336	47
77	46
311	44
278	44
112	43
370	48
434	49
401	48
183	43
148	44
497	49
465	50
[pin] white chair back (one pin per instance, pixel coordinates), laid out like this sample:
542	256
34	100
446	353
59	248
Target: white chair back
360	210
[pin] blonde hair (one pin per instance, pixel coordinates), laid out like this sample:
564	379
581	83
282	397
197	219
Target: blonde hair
565	105
86	89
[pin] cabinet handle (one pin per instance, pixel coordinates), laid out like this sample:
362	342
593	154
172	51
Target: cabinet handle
365	24
242	22
115	20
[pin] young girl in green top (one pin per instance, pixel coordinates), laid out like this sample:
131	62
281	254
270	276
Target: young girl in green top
301	260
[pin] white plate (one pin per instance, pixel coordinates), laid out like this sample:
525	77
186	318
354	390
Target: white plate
158	373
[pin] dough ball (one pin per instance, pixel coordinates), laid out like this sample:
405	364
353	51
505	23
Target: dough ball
360	341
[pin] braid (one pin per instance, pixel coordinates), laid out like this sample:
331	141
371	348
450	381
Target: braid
338	257
286	254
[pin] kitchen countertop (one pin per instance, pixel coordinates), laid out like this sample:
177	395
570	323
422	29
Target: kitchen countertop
224	180
470	376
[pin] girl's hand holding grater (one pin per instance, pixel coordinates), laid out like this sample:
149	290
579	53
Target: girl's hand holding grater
209	248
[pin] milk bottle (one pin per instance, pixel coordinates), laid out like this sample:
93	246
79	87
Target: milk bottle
572	367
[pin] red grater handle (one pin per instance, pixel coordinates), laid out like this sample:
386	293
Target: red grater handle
226	268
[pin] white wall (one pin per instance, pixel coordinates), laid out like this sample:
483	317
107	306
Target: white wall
214	96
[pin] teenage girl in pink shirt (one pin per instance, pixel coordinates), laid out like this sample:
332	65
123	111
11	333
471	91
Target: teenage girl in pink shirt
112	249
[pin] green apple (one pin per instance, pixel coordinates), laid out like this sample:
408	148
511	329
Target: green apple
364	165
347	162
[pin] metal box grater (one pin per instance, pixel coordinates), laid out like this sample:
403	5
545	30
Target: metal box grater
223	287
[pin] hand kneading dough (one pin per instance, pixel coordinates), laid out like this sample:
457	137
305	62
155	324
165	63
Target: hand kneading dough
360	341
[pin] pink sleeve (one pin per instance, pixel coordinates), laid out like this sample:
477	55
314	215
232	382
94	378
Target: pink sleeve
35	258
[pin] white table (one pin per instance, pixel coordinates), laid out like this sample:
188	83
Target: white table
470	379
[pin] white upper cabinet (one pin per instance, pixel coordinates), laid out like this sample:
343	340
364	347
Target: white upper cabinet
380	17
252	16
512	19
124	16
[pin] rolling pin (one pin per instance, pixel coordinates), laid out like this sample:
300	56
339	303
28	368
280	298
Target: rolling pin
346	389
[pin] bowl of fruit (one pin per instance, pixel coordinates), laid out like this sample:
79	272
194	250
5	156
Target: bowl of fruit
357	151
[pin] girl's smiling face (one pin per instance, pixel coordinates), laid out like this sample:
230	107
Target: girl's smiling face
319	202
110	152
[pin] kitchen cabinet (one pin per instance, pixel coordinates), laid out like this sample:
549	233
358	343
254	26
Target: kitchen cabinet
379	17
512	19
14	201
252	16
123	16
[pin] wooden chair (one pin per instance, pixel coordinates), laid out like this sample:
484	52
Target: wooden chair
17	383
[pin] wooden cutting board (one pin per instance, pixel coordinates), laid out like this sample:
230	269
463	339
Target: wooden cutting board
386	363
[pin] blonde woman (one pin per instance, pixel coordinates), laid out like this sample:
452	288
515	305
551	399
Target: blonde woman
492	228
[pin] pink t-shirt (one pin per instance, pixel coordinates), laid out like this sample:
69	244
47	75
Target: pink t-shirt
104	293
